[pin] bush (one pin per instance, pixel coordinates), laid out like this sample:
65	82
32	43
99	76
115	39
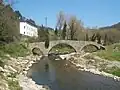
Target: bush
13	49
14	85
110	53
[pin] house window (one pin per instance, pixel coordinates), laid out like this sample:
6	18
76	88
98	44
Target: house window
24	27
24	32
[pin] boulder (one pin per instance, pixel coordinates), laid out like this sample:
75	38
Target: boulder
1	69
12	69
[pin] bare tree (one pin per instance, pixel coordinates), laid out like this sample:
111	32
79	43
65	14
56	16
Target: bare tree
60	20
75	27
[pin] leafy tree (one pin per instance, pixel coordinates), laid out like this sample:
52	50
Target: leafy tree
56	31
87	38
64	30
42	33
18	14
9	25
47	41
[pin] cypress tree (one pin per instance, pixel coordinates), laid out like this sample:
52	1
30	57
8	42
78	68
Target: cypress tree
64	31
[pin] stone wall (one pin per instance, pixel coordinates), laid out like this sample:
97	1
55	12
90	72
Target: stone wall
77	45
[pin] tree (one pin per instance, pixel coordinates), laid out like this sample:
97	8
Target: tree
93	38
64	30
86	38
9	25
60	20
98	38
56	31
31	21
74	25
18	14
60	23
47	41
105	40
42	33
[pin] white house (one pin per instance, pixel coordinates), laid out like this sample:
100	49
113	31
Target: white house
28	29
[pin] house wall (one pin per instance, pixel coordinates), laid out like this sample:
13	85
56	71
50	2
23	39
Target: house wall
28	30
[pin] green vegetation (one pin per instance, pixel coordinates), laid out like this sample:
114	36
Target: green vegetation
112	52
90	48
13	85
113	70
62	49
47	41
13	49
9	24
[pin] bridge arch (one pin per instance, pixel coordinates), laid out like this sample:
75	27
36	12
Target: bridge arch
78	46
90	48
37	51
66	47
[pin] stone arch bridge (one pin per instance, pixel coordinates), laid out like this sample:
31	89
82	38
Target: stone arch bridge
77	45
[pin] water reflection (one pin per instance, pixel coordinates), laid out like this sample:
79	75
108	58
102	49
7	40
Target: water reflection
59	76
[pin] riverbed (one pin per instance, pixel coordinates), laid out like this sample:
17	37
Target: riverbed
62	75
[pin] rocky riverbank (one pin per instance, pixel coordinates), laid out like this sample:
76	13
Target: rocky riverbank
14	73
91	63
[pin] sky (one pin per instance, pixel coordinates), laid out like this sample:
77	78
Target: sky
92	12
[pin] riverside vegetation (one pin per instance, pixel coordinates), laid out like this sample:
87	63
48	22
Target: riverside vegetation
112	53
13	54
15	60
9	81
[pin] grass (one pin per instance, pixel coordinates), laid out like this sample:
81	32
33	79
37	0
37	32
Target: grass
114	71
90	48
14	85
64	49
13	49
110	53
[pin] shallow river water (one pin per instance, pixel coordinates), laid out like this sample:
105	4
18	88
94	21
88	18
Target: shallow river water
60	76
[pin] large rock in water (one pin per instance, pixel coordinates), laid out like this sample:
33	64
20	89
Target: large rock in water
37	51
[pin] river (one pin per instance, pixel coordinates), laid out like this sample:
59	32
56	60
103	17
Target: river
62	75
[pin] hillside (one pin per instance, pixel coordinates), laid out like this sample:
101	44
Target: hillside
111	33
9	24
115	26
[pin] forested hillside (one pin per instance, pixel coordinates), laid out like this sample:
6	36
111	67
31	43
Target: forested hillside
111	34
9	24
